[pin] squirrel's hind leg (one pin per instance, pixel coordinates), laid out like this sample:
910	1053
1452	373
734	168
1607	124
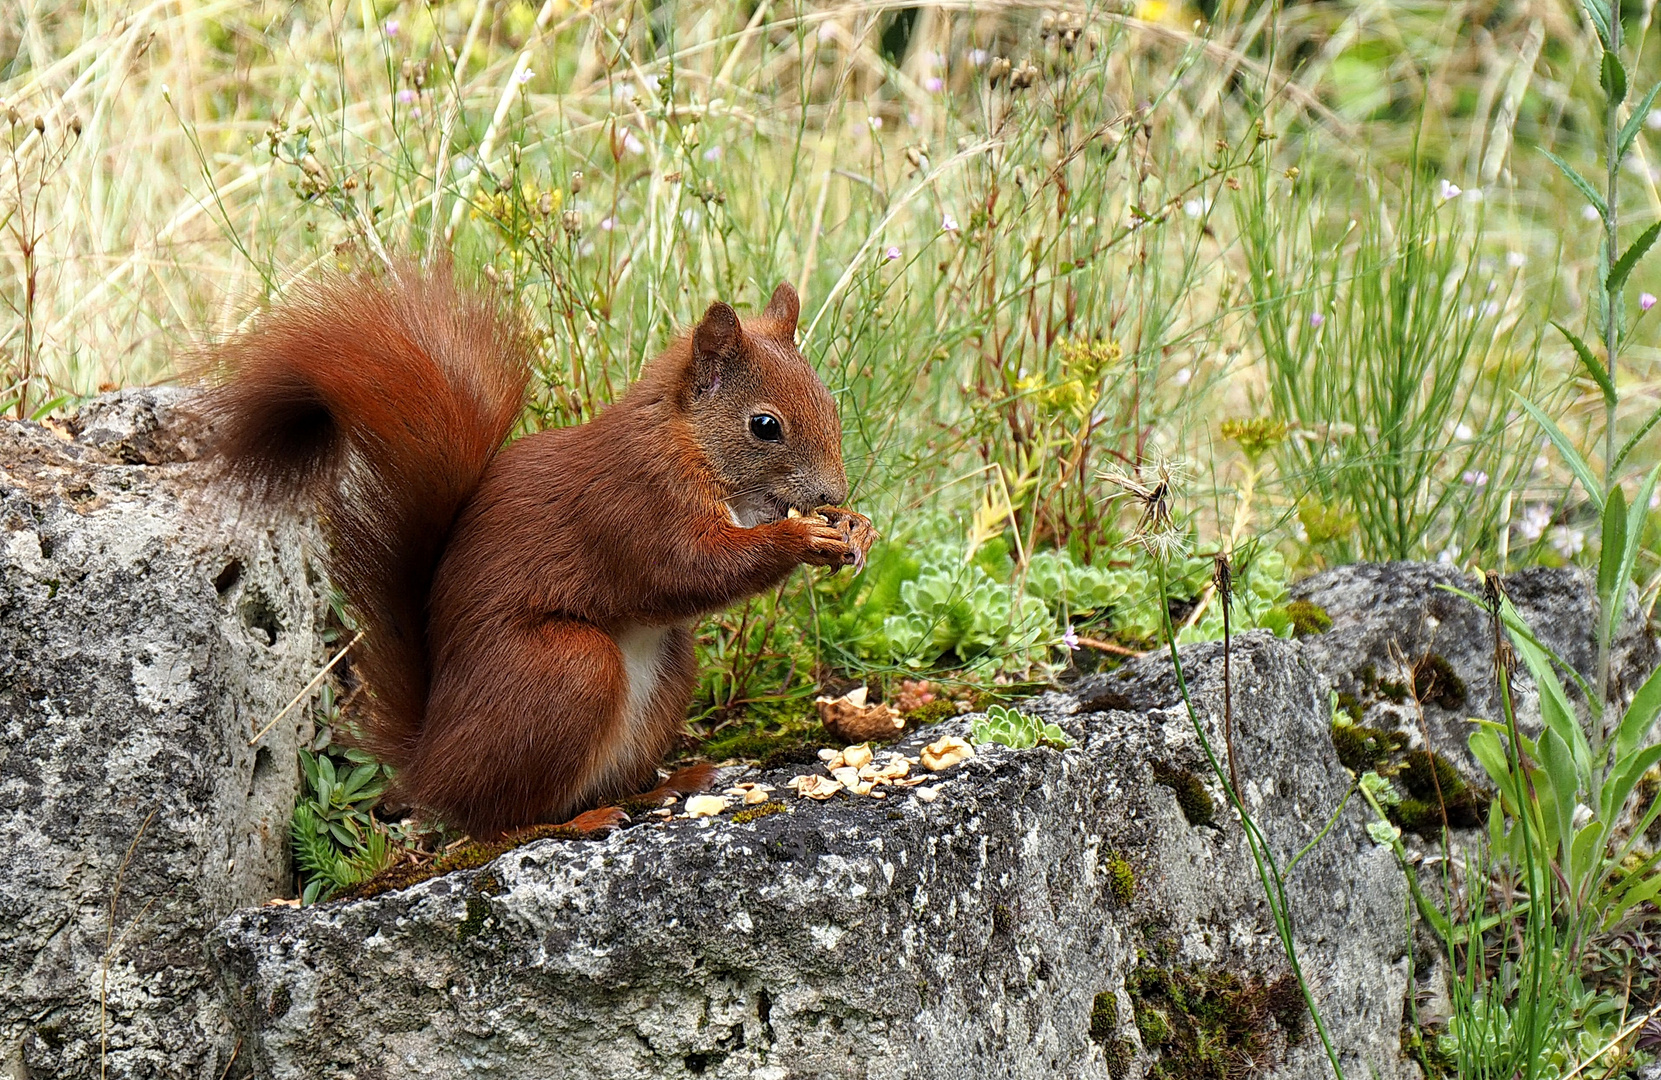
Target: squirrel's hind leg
518	731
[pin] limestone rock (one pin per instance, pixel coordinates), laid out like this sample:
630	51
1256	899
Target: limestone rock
144	636
1384	611
971	935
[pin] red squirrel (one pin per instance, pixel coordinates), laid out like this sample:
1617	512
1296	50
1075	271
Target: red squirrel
527	607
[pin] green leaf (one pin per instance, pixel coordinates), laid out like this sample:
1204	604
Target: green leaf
1598	12
1579	181
1490	753
1583	855
1559	765
1626	778
1629	130
1591	363
1613	78
1635	515
1577	464
1555	711
1640	716
1629	259
1632	441
1614	546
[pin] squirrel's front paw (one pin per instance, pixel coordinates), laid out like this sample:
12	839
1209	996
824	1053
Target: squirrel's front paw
819	542
856	529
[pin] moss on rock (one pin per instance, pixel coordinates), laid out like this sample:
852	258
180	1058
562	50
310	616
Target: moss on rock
1192	797
1308	618
1210	1023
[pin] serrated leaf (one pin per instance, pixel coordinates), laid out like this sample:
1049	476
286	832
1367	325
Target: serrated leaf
1629	259
1590	363
1614	546
1612	77
1599	14
1571	456
1636	437
1634	123
1579	182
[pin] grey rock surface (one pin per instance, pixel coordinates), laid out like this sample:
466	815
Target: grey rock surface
971	935
143	639
1387	618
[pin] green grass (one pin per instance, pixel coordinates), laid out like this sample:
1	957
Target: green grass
1297	260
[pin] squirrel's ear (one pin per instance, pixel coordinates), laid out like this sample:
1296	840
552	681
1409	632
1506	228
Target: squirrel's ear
784	307
713	342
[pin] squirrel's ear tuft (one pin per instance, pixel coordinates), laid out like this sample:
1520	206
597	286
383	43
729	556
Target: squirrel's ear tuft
784	307
713	342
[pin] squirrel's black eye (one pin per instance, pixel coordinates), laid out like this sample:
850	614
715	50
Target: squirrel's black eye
766	428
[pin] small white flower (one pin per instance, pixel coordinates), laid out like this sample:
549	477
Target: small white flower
712	154
1474	477
406	96
1449	555
1535	521
1646	301
1070	638
1568	542
608	223
875	122
948	223
1463	432
1196	207
526	76
1449	189
1590	212
632	144
1183	376
979	57
1515	259
1653	120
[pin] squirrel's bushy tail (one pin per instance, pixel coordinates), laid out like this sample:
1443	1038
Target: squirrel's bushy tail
381	399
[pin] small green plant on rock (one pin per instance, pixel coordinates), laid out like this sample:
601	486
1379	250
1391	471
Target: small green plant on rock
1018	730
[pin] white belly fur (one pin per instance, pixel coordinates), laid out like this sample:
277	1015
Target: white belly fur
629	755
642	648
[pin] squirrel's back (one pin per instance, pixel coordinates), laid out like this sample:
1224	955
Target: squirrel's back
380	399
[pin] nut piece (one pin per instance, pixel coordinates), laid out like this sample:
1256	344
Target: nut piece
857	756
705	805
850	719
943	753
815	786
754	797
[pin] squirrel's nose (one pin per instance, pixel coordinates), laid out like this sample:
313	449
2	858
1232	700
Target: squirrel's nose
833	494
